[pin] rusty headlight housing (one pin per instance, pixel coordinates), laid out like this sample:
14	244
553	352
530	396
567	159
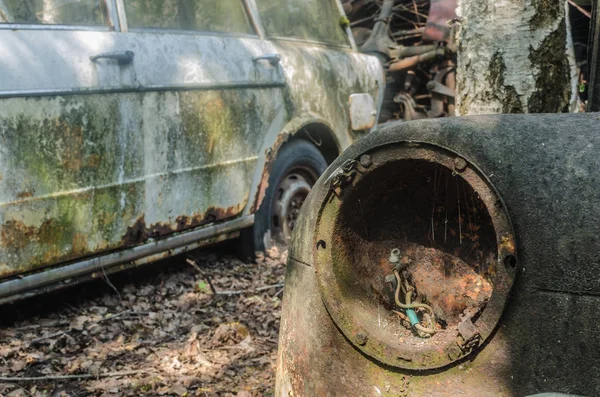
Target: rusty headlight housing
455	239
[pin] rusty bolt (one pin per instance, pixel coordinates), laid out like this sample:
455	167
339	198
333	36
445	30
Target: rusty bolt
361	339
460	164
365	160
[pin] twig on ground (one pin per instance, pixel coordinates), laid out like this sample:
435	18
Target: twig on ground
208	280
66	377
55	323
249	291
110	318
266	287
111	285
54	335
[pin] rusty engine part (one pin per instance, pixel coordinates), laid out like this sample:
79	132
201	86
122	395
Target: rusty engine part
495	229
414	41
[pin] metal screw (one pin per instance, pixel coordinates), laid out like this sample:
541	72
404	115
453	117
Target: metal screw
365	160
361	339
460	164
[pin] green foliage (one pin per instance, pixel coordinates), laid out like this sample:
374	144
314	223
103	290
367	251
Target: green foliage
202	286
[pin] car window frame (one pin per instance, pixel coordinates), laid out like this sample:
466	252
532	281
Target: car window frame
118	23
112	26
124	25
349	45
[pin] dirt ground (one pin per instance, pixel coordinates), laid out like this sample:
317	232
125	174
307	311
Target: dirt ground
203	325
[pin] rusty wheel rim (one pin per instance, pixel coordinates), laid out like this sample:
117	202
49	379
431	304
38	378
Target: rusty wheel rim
289	197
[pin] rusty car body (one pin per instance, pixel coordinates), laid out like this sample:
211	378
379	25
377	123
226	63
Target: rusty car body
138	129
489	227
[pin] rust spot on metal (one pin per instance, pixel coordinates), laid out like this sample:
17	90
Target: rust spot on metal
260	194
140	232
79	244
270	156
507	243
16	234
26	194
136	233
93	161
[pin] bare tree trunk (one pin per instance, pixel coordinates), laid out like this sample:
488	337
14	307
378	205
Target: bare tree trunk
513	58
51	12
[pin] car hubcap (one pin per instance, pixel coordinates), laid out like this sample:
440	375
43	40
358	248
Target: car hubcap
289	197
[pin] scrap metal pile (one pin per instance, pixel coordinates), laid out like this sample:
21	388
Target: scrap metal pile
414	41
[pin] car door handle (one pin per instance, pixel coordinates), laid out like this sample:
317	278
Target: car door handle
272	58
123	58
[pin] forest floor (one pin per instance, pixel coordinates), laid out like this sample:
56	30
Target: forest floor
201	325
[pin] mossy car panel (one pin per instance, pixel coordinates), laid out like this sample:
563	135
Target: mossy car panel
117	136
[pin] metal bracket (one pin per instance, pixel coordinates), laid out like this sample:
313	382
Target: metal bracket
343	176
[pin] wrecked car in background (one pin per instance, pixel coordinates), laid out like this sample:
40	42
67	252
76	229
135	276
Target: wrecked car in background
135	130
451	257
414	40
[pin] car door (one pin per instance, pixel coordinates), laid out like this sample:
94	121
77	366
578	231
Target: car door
123	121
212	90
57	116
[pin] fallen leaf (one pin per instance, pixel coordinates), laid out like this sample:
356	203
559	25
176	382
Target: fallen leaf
178	390
17	393
18	365
78	322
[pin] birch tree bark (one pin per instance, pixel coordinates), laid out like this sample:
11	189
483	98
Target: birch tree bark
513	58
51	14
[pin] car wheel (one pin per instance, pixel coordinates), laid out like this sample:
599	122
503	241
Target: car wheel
296	169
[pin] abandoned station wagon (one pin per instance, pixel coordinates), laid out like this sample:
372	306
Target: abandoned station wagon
131	130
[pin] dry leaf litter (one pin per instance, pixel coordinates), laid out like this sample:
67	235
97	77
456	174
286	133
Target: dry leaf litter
205	326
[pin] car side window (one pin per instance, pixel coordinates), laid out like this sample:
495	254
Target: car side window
315	20
226	16
54	12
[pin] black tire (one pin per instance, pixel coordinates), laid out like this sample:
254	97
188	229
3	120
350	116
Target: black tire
296	158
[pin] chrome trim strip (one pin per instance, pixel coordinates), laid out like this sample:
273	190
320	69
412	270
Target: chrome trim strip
148	88
252	10
118	268
194	32
21	26
86	266
349	36
112	14
122	16
311	42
